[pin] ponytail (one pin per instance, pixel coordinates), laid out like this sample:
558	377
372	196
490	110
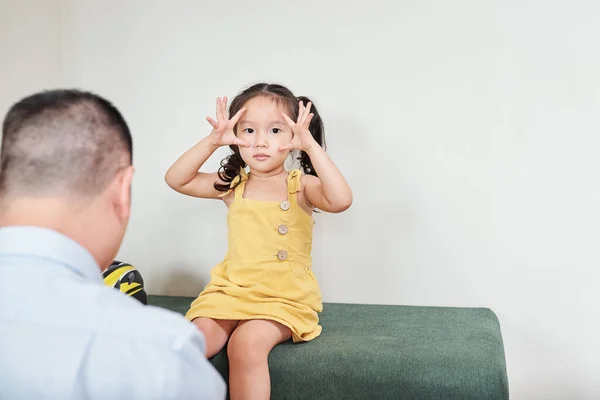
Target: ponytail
317	129
230	168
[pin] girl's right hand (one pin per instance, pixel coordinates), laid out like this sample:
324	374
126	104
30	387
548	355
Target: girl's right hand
222	133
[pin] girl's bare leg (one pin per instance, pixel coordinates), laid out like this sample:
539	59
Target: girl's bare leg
248	351
216	332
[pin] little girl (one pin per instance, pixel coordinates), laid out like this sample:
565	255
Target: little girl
264	291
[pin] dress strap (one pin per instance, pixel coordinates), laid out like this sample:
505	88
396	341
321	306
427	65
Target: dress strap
240	181
294	182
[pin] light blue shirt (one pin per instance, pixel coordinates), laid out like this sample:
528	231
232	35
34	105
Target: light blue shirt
65	335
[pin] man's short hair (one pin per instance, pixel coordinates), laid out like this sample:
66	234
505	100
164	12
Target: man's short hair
62	142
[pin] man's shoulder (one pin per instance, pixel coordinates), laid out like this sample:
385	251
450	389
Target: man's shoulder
74	303
102	335
159	342
125	316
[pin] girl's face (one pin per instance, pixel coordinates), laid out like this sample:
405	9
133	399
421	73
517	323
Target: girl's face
263	127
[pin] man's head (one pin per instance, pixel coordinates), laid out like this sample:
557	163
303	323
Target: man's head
66	160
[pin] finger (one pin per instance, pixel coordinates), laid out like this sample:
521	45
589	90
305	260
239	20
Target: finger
214	123
238	115
300	110
224	108
288	120
286	147
307	109
220	114
306	113
241	142
307	120
218	110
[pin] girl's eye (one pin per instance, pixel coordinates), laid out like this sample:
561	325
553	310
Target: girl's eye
249	130
275	130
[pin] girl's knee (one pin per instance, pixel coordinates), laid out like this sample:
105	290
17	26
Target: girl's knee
205	325
246	348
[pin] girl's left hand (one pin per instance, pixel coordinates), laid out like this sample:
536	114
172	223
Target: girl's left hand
302	139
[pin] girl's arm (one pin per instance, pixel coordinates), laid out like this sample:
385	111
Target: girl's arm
330	192
183	176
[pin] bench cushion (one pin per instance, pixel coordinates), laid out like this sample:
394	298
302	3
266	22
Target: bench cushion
387	352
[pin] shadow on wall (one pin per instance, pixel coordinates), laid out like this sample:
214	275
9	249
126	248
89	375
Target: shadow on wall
350	244
175	250
179	281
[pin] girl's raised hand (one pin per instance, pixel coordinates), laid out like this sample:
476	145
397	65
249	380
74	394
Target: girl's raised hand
302	139
222	133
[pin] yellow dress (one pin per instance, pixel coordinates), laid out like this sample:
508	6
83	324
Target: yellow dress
267	271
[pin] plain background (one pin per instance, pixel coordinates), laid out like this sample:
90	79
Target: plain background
468	130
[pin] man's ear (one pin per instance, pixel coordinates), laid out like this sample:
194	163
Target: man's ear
123	196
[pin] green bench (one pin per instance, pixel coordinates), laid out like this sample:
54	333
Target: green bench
386	352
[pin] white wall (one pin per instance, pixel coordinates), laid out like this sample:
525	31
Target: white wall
30	48
470	132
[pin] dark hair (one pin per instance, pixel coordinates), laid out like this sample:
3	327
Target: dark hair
231	165
62	141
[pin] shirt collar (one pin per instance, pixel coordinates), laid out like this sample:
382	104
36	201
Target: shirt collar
49	244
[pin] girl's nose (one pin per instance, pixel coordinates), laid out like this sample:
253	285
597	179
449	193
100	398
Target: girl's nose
261	141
